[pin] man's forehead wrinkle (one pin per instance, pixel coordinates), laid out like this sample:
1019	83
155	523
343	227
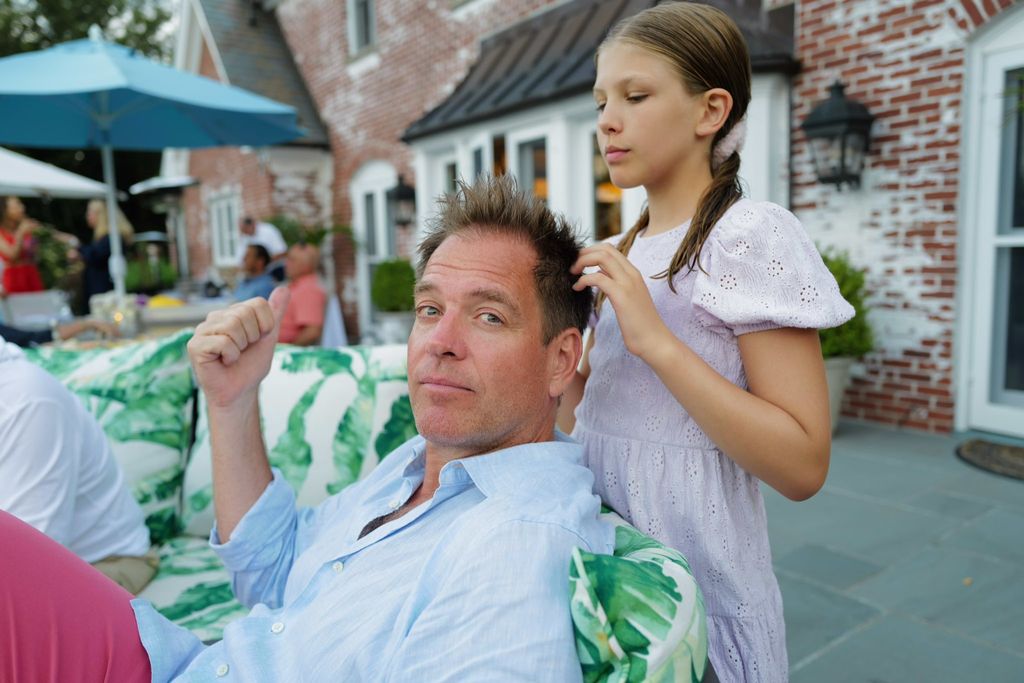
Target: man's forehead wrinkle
493	272
493	291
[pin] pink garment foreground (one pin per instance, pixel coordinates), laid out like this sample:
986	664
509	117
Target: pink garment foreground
60	619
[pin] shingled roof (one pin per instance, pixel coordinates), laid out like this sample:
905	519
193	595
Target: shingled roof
257	58
551	56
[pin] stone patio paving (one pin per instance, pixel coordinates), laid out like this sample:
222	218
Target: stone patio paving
907	566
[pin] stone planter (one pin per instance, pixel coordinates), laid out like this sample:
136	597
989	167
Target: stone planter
393	328
837	373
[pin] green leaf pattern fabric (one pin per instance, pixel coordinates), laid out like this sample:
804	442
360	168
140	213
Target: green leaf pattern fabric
141	394
638	615
301	400
192	588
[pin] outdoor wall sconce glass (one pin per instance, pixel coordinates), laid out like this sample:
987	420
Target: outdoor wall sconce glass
402	202
839	133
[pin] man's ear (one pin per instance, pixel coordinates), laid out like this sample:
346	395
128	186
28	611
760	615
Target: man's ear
564	353
717	104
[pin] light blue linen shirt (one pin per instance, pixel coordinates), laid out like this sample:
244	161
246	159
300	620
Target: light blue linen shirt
472	585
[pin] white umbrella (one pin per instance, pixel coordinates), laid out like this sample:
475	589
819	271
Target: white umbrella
23	176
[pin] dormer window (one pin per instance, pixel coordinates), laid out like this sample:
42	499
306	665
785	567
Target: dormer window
362	26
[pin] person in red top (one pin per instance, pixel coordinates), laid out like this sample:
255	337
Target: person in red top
303	321
16	249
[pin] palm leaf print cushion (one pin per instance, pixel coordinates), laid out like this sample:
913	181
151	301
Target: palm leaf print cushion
638	614
141	393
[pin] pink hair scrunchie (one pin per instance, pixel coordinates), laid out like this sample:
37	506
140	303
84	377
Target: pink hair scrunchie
732	142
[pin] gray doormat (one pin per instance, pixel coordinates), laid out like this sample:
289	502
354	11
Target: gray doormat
994	457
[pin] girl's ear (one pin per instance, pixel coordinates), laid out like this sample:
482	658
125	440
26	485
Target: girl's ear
717	104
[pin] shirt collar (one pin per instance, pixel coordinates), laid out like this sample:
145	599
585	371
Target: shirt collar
530	468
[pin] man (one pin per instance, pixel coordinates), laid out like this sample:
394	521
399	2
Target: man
450	561
265	234
256	280
57	473
303	321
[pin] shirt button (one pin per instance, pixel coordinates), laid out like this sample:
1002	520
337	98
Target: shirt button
394	504
277	627
222	670
338	566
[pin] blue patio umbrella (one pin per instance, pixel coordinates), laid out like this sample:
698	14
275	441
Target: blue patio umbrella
91	93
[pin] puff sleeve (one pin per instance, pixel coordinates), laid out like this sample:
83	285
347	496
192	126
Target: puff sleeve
761	272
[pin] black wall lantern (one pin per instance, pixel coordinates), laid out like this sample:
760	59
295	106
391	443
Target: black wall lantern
402	202
839	133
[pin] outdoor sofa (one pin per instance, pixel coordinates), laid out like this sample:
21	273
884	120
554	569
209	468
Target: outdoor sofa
329	415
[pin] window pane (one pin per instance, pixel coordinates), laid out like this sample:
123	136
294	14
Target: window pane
389	228
214	234
1014	163
533	167
478	162
370	216
225	236
1009	352
218	227
364	23
231	227
499	155
451	176
607	199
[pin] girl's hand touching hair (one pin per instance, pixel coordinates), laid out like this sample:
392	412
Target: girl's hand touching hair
642	328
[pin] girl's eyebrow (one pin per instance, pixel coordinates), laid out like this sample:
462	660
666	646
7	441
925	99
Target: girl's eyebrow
623	82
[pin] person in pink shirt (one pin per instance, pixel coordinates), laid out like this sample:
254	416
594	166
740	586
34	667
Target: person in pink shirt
303	321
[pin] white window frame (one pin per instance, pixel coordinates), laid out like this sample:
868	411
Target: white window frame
990	56
373	178
355	45
223	211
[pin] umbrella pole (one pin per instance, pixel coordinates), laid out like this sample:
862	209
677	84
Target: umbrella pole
117	265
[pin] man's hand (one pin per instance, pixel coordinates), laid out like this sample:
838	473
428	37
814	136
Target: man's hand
232	350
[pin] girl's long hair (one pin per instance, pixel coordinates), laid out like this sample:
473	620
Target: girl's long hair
708	51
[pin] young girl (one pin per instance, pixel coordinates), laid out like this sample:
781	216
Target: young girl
703	373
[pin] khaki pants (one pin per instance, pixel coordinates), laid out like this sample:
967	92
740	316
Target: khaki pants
131	573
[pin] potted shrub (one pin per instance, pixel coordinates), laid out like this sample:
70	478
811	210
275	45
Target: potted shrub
391	292
842	345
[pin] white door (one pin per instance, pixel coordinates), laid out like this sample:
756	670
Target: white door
993	233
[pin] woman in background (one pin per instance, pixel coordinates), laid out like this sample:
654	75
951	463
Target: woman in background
17	249
96	256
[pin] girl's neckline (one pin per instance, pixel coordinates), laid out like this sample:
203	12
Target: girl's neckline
644	237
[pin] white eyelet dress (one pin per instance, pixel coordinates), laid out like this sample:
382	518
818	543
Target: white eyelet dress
655	466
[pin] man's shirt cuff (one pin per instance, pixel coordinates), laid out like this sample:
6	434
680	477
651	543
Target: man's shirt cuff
256	539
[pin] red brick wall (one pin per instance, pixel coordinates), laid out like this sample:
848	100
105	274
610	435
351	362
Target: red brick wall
263	192
217	168
424	51
905	61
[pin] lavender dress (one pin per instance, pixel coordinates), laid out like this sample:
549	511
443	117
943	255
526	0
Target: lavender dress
655	466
